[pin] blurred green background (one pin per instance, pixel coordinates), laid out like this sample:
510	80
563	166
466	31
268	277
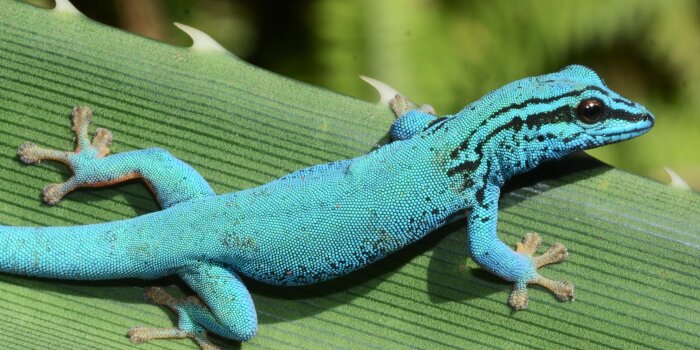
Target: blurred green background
448	53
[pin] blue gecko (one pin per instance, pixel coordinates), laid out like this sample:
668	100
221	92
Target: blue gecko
324	221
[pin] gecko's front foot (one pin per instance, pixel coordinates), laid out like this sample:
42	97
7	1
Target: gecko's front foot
564	290
84	154
401	105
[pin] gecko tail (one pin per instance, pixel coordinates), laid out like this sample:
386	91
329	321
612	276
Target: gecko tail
88	252
43	252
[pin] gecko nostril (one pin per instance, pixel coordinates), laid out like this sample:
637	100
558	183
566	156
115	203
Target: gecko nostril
648	118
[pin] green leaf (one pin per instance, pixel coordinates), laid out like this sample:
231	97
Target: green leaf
634	243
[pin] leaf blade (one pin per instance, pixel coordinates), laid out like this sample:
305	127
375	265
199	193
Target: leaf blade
241	126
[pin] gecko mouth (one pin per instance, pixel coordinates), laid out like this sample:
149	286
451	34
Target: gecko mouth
645	123
621	136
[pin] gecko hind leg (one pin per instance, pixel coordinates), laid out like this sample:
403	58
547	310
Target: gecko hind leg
556	253
159	296
171	180
223	306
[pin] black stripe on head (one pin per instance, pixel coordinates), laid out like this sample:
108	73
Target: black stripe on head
626	103
624	115
560	115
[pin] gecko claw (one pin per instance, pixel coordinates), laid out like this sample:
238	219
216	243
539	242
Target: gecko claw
563	290
102	139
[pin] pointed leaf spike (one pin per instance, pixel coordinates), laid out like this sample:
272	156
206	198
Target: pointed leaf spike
200	40
64	6
386	92
676	180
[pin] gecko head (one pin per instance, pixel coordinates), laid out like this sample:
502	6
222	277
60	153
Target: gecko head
580	112
594	114
543	118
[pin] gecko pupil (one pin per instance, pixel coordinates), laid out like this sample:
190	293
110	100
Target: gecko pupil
589	111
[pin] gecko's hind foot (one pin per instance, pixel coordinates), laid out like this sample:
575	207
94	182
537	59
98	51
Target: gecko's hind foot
85	152
563	290
186	328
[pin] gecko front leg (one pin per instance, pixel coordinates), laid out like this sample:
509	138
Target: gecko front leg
171	180
519	266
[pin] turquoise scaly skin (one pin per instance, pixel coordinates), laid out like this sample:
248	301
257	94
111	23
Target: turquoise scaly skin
327	220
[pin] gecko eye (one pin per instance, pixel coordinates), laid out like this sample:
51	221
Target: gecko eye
589	111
